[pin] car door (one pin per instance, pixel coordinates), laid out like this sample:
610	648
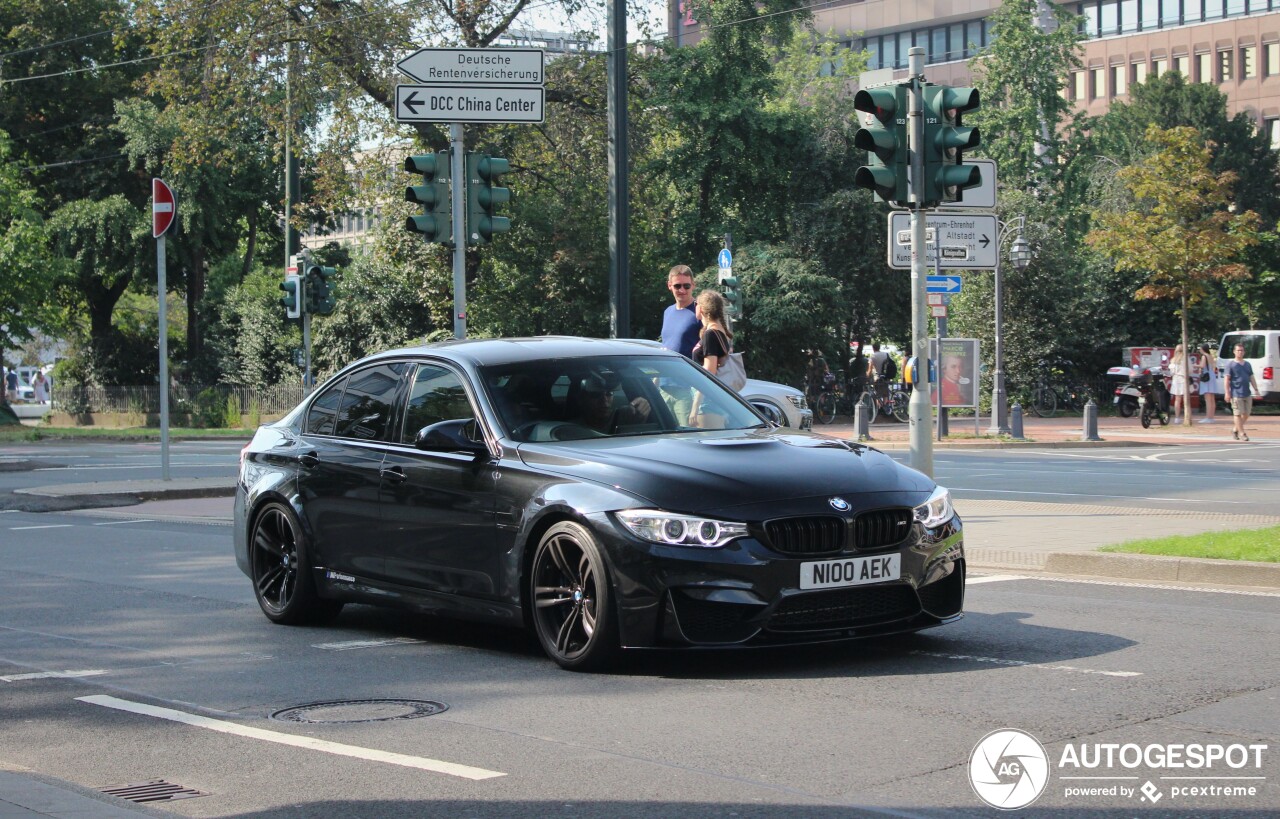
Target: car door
343	444
438	523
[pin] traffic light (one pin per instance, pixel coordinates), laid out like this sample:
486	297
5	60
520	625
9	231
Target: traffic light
732	295
484	197
436	221
884	136
945	141
320	299
292	298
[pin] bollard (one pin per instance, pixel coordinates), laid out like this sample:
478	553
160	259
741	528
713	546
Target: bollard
860	425
1015	423
1090	422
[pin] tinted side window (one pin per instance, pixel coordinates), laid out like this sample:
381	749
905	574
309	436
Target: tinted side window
365	411
437	395
1254	346
324	409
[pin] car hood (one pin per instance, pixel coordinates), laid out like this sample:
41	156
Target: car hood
727	470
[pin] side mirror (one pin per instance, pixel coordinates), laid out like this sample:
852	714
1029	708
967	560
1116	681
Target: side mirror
459	435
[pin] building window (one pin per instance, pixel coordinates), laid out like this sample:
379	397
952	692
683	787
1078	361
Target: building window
1077	85
1128	15
1150	15
1099	81
1110	19
1192	11
1159	66
1182	64
1139	73
1225	66
1204	67
938	45
1236	8
1170	13
1272	128
1118	88
1249	62
1272	57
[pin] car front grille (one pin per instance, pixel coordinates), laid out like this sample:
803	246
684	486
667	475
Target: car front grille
806	536
827	534
845	608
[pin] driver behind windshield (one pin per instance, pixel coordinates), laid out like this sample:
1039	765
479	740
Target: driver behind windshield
595	406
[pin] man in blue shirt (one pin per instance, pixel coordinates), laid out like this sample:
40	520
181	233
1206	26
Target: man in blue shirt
681	331
1240	379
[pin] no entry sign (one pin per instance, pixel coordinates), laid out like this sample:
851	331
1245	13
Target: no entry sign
164	207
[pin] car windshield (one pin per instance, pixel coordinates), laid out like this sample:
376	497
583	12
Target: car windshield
607	396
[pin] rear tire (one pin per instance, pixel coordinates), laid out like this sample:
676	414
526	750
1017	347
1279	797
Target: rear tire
825	410
283	578
868	400
1045	403
1127	407
901	406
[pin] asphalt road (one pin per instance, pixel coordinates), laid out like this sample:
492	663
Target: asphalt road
161	616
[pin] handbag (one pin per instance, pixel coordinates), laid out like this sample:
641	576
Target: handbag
1204	376
732	370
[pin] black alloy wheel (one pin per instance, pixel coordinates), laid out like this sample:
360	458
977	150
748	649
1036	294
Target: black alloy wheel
282	578
573	612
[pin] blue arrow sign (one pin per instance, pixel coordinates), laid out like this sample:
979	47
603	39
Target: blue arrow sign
725	259
944	284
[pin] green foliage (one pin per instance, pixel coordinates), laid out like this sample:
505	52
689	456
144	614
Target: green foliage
252	340
25	263
208	408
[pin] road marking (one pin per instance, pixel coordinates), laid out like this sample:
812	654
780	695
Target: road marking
1213	501
118	522
1167	586
350	644
87	467
295	740
50	526
1000	661
49	675
993	578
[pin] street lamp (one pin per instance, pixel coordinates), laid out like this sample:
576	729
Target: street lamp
1020	255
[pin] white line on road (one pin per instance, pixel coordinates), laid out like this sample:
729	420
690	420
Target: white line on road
993	578
49	526
49	675
350	644
1000	661
88	467
295	740
1168	586
118	522
1212	501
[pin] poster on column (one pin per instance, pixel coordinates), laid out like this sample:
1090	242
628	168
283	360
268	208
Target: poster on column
958	371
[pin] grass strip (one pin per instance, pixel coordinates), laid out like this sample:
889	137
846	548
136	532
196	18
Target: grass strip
1261	545
13	433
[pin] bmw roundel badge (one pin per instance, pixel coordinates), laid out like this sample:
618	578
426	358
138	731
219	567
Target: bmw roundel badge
839	504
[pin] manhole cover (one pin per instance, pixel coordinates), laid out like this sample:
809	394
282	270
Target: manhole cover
359	711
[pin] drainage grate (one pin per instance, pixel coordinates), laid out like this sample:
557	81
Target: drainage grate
344	711
156	790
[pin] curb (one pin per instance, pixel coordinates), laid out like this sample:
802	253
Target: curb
1156	568
124	490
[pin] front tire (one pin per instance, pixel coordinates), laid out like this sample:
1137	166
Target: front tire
868	400
1045	403
825	409
282	575
902	407
572	599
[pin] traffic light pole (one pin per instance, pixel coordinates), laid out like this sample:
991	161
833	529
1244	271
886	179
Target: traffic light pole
458	173
919	409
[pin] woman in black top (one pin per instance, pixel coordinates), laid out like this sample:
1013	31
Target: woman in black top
716	343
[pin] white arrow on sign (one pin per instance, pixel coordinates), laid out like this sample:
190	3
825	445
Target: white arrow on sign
440	103
976	232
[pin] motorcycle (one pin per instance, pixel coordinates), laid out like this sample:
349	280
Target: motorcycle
1153	397
1126	393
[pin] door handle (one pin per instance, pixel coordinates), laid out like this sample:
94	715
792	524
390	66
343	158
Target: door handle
393	474
309	459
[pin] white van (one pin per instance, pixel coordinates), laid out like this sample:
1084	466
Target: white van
1262	350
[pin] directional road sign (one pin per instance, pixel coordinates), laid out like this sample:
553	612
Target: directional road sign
944	284
974	233
462	103
475	66
982	197
725	259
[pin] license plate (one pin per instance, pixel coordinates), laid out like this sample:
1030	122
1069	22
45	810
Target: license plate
851	571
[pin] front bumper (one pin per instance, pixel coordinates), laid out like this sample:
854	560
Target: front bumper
747	595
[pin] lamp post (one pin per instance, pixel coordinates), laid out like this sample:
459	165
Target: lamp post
1020	255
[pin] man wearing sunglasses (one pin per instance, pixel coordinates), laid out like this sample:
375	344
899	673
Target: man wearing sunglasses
681	330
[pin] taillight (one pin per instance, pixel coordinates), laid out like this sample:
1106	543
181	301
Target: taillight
1267	373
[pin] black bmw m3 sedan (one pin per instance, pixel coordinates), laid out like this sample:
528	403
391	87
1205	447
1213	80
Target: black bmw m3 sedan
605	494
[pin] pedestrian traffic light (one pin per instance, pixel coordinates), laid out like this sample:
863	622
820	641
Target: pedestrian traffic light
484	197
732	294
320	299
883	136
292	298
436	220
946	177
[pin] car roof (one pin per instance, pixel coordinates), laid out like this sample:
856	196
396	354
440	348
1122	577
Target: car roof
483	352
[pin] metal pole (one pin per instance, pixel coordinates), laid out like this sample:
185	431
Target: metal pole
999	399
162	288
619	206
457	192
941	322
306	343
919	412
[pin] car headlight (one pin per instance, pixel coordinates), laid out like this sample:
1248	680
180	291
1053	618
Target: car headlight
937	510
673	529
798	401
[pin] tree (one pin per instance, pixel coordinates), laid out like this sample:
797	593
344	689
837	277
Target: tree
1182	236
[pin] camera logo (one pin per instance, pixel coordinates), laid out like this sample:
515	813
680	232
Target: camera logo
1008	769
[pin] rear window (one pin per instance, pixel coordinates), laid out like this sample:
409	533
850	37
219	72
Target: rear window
1255	345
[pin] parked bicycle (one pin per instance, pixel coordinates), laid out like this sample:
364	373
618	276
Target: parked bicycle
832	399
840	400
893	401
1053	391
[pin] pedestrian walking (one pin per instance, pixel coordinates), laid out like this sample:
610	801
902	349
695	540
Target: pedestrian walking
1240	388
41	387
1178	385
681	330
1210	384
